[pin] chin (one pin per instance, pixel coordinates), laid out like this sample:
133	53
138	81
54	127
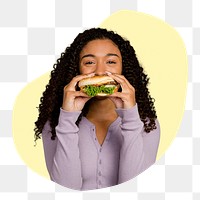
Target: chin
100	97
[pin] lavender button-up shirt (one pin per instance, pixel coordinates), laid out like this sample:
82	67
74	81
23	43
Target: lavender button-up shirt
76	159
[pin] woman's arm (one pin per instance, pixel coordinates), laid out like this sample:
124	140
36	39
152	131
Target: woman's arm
62	157
139	149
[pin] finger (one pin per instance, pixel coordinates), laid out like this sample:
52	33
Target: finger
74	94
80	94
72	85
120	76
124	78
85	99
118	94
117	101
122	81
123	96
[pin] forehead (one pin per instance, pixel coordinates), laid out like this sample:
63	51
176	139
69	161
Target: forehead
100	46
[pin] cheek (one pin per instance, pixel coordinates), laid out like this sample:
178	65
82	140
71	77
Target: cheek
86	70
120	69
117	69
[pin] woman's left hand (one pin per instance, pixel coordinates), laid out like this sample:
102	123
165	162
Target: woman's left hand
126	98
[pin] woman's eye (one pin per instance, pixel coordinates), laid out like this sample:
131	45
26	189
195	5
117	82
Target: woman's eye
111	62
89	62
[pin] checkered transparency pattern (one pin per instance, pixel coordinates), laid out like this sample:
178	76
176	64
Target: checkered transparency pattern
33	33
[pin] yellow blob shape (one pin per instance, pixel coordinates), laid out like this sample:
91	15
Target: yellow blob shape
25	113
162	54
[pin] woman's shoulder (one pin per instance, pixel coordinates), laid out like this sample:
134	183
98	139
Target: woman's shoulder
47	128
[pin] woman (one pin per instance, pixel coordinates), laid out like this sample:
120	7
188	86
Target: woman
92	143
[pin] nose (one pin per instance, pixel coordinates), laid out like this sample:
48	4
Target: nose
100	68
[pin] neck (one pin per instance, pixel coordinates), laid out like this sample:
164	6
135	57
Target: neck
101	109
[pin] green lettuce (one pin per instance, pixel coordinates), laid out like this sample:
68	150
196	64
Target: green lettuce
92	91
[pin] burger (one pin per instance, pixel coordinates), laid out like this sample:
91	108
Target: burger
102	85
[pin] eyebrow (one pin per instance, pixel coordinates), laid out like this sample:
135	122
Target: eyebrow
92	55
88	55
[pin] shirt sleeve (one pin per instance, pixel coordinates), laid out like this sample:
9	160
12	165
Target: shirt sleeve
62	157
139	149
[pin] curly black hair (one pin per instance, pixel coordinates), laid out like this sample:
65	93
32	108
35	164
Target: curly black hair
67	67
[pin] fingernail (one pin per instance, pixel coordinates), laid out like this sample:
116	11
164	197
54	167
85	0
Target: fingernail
92	74
108	73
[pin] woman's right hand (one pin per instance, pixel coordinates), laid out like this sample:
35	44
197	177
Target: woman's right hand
74	100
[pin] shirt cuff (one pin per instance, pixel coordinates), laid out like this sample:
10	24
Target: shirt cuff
68	119
69	114
130	118
131	113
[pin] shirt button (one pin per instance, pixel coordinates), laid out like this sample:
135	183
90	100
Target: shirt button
100	149
99	173
100	162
